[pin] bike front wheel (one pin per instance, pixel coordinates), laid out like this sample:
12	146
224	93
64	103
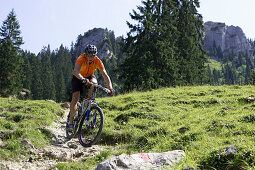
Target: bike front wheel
91	129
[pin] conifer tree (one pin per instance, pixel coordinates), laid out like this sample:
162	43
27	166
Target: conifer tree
216	77
62	66
49	91
68	73
166	43
252	79
137	67
36	86
10	58
164	48
27	70
209	73
247	74
150	47
190	43
60	87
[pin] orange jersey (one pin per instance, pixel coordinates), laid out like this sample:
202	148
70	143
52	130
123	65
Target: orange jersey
89	69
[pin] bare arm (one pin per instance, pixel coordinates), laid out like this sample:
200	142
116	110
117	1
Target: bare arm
106	78
76	71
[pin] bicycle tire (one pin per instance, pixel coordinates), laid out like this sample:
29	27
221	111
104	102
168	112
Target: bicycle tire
69	134
88	135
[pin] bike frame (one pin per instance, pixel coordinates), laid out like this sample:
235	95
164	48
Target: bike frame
85	109
86	105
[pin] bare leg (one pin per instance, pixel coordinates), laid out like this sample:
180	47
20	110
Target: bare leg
91	90
73	105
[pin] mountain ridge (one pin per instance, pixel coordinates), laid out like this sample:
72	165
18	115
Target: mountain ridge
230	39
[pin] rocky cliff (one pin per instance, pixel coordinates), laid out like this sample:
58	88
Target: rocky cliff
102	38
228	38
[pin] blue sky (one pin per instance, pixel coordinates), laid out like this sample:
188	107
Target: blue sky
57	22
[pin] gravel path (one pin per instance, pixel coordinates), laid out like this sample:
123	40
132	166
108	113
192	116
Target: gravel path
60	150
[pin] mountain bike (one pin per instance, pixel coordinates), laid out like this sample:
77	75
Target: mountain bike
88	120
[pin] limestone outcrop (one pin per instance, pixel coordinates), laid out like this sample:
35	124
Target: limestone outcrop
165	160
231	39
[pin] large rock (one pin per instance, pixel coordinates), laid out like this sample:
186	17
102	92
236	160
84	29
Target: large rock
96	36
231	150
229	38
143	161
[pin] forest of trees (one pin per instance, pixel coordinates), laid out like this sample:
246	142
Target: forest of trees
234	68
48	75
164	48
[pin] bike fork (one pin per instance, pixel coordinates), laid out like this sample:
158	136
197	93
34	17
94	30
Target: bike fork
87	118
95	118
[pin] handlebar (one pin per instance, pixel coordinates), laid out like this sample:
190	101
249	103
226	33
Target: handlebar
101	87
88	83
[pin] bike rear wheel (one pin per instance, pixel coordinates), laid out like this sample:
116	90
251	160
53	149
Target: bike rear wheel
89	132
68	134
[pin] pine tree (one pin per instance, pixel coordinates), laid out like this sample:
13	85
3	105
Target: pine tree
49	91
209	74
164	48
252	79
230	75
135	65
247	74
190	43
27	70
10	59
36	86
68	73
165	52
60	87
62	66
216	77
149	47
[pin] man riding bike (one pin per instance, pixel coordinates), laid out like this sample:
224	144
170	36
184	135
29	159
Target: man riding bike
83	73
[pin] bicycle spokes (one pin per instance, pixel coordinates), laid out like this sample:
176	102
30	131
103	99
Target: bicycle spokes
91	129
90	122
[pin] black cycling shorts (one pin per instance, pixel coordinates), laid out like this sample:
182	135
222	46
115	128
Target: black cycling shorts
77	85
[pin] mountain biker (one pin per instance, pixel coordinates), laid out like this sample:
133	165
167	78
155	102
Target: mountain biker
83	73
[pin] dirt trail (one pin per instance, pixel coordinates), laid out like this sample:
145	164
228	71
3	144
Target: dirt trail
60	150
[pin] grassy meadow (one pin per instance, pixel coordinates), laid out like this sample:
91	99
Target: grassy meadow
201	120
25	120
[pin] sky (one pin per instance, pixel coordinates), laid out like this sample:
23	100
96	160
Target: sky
57	22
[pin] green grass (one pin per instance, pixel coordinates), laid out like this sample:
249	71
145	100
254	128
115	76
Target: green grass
201	120
24	120
213	64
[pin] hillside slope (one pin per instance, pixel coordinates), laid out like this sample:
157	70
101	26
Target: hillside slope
200	120
203	121
32	136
